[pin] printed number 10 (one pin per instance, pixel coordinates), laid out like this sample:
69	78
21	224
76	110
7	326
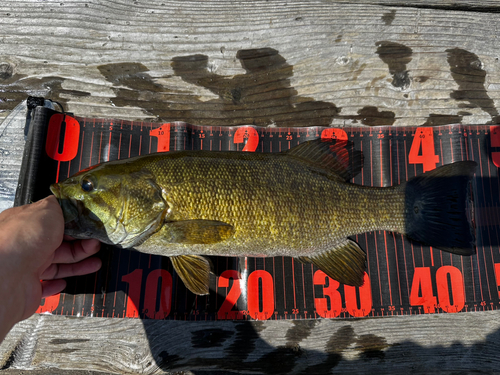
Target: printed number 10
134	280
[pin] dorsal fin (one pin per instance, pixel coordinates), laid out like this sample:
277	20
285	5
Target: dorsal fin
336	156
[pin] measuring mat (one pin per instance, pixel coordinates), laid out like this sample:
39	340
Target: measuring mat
403	277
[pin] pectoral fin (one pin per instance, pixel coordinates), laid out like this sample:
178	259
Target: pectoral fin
345	263
198	231
194	271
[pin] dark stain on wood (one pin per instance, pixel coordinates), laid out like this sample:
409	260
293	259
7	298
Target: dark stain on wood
63	351
279	360
166	361
389	17
338	342
12	357
67	341
437	120
208	338
14	89
421	79
396	56
372	346
467	71
262	96
282	360
371	116
301	330
247	334
132	75
6	71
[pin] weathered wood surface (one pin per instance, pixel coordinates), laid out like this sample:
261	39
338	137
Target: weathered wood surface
457	343
293	63
464	5
223	62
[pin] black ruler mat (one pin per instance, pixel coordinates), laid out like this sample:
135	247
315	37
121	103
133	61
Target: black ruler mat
403	277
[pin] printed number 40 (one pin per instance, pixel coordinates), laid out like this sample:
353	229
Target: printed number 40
422	149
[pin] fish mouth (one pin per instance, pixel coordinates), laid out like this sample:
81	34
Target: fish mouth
70	207
56	190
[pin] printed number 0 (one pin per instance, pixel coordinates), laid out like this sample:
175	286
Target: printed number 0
69	147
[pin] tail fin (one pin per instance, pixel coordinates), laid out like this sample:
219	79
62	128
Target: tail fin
437	205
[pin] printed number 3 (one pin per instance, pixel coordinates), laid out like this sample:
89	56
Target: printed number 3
495	142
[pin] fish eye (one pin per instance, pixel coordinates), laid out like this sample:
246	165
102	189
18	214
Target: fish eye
87	184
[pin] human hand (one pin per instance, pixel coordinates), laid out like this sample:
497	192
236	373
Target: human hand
33	248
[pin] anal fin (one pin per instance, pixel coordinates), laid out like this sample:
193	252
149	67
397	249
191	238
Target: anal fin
344	263
194	271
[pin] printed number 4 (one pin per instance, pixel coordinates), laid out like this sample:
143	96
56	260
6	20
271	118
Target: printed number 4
422	149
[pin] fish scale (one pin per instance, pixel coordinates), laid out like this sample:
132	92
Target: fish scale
293	218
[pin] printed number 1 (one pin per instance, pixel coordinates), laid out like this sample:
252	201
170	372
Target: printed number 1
163	135
422	149
50	304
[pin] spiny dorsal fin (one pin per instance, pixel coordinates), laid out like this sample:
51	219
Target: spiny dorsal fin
344	263
194	271
199	231
337	156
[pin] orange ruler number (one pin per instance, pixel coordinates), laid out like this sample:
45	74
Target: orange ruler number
422	149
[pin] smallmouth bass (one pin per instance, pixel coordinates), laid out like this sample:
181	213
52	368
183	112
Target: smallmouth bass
298	203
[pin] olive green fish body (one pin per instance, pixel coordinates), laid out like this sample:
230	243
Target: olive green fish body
277	206
297	203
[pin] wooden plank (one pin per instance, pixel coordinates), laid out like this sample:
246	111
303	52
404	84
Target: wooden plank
225	63
11	154
420	344
487	6
219	63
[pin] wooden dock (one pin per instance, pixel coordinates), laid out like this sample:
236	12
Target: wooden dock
269	63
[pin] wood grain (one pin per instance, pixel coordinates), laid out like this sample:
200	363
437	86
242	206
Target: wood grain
293	63
225	63
486	6
420	344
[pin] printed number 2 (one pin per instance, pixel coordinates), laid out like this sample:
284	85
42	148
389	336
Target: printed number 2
250	134
234	293
422	149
